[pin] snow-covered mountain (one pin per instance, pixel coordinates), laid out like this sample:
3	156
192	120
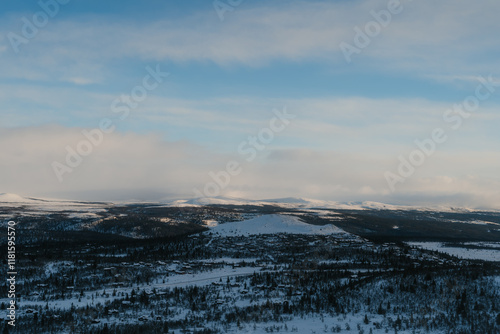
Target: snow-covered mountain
289	202
307	203
20	200
39	206
45	204
13	198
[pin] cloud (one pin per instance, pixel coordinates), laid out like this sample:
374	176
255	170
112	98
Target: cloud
146	166
123	161
80	81
424	39
336	148
359	124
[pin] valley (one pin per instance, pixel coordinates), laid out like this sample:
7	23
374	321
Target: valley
227	266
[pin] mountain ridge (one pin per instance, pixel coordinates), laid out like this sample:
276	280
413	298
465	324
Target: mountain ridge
285	202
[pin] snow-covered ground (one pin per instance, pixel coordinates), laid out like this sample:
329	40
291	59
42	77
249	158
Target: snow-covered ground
36	207
463	252
307	203
272	224
318	324
291	202
46	204
104	295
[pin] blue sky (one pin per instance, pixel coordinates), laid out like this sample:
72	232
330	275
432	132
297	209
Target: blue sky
353	120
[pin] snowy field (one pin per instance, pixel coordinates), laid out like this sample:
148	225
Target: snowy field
272	224
490	254
314	324
104	295
39	207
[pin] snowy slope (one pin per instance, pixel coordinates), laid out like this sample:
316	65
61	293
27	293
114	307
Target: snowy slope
215	201
289	202
272	224
38	206
306	203
13	198
491	254
55	205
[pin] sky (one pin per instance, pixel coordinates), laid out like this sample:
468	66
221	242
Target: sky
388	101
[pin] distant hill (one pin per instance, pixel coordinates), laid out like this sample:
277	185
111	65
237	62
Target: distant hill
273	224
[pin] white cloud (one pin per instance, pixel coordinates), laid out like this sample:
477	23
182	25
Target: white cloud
80	81
336	148
122	161
344	124
128	164
425	39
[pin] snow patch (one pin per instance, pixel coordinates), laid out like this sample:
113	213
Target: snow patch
13	198
461	252
273	224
